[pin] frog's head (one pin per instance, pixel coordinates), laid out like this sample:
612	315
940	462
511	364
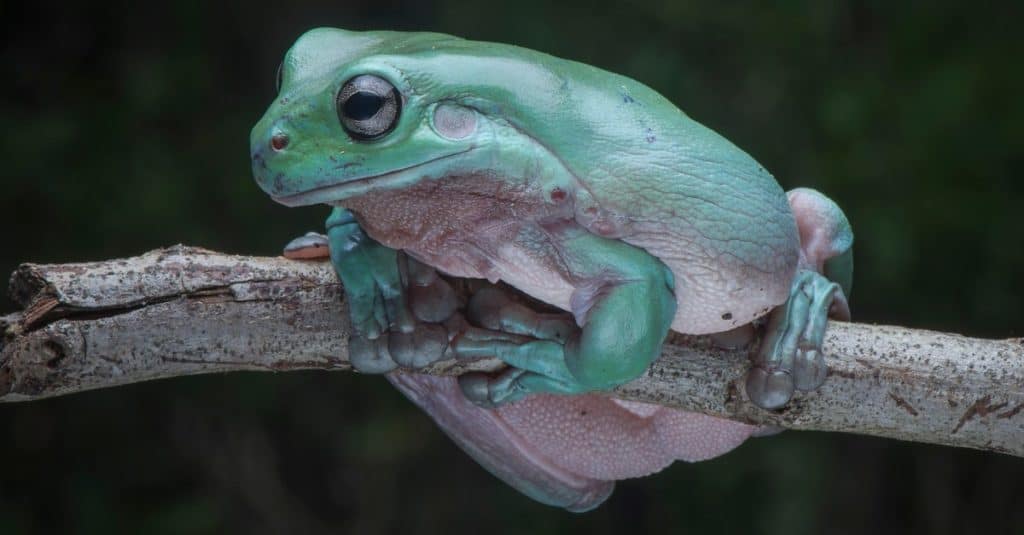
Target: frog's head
358	112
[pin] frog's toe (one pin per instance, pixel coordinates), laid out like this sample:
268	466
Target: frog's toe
494	309
809	369
421	347
310	246
489	391
475	387
425	345
366	313
506	386
370	356
769	389
431	298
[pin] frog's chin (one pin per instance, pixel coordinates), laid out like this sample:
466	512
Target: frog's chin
354	187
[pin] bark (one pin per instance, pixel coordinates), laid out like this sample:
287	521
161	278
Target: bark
183	311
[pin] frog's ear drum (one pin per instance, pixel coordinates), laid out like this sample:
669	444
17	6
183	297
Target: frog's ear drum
368	107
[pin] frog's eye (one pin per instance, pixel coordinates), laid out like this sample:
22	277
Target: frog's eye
368	107
280	76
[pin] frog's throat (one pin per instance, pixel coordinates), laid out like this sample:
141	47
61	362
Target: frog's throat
351	187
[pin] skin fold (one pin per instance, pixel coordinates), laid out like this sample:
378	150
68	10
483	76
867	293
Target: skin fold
580	188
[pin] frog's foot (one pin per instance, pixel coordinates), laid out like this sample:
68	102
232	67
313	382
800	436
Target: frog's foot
550	354
395	303
531	342
790	356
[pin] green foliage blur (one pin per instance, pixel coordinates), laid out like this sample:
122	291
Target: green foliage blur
125	128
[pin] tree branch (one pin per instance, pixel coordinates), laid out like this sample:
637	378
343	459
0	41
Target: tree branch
184	311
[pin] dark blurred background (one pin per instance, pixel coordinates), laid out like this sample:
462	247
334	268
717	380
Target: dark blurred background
125	127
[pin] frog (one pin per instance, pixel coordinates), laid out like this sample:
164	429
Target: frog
597	217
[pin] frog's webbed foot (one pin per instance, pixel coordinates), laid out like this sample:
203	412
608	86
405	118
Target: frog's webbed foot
531	342
395	303
790	356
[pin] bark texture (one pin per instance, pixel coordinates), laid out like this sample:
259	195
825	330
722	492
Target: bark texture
183	310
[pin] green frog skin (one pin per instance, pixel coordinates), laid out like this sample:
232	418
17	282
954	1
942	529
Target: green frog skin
578	187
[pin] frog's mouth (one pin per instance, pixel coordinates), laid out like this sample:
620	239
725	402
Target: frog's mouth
354	187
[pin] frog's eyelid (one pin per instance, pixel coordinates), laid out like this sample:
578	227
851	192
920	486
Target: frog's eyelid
385	70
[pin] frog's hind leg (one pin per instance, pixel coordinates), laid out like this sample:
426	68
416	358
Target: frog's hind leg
624	302
790	356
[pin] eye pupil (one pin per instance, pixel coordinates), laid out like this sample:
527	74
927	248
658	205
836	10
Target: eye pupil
368	107
362	106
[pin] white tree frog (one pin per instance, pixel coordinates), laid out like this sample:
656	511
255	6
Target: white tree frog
578	187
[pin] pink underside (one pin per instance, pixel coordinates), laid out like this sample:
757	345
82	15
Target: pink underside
598	437
567	450
817	226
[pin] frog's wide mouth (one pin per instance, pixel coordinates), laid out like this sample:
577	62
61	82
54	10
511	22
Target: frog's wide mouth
353	187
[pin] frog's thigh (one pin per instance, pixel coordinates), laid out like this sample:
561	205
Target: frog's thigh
625	304
623	333
568	451
826	238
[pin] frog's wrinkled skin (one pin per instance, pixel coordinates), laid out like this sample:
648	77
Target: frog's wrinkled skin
578	187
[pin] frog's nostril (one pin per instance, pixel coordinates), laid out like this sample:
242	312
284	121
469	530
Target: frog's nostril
279	141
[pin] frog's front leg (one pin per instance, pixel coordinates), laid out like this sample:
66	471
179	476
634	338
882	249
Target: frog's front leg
395	303
623	301
790	356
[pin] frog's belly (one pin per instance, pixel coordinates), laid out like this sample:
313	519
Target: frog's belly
472	226
477	227
709	300
518	266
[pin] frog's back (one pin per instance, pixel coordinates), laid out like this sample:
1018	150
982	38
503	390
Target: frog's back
644	172
653	177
